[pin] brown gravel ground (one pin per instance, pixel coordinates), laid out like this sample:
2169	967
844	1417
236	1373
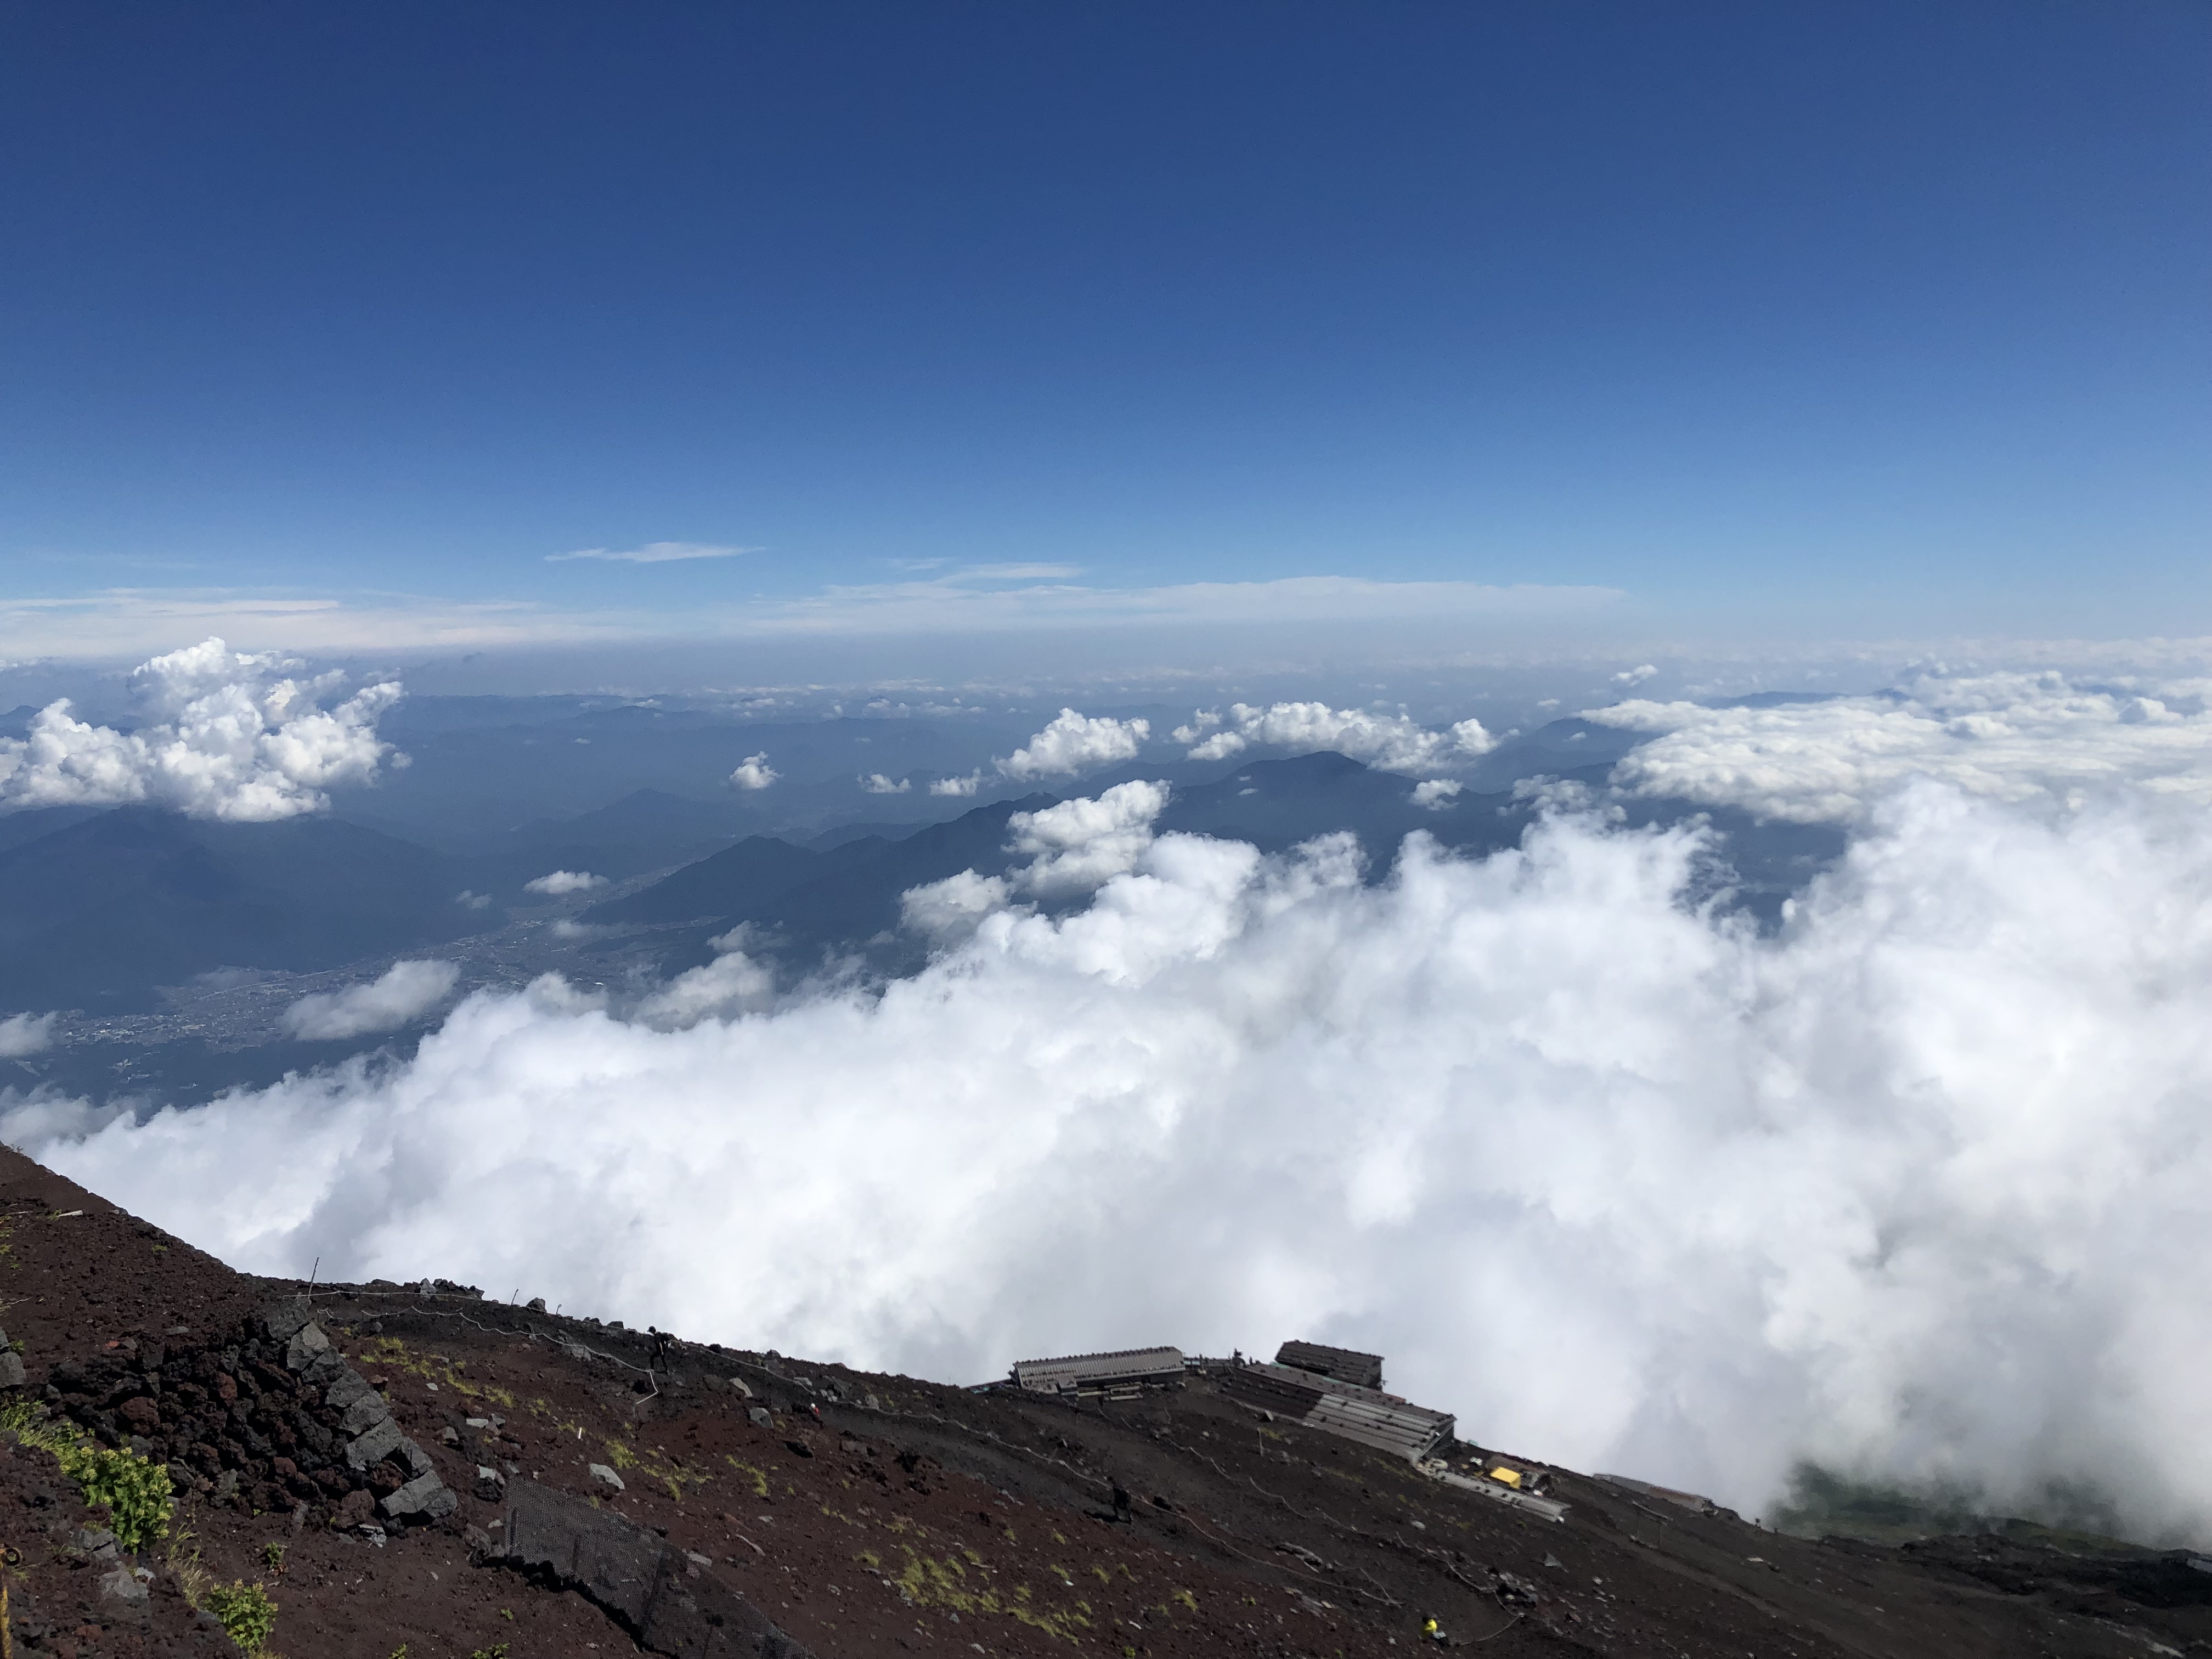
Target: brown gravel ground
939	1519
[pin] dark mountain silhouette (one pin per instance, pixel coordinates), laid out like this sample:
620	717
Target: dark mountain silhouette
845	895
97	914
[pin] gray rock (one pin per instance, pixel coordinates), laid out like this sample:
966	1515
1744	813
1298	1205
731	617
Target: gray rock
491	1484
364	1413
304	1343
607	1477
348	1385
374	1445
417	1460
537	1304
425	1495
325	1366
11	1369
282	1319
122	1593
760	1417
665	1597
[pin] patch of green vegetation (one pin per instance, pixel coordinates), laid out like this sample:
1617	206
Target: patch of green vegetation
134	1491
247	1611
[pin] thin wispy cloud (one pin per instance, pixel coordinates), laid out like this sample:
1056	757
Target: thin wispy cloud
652	553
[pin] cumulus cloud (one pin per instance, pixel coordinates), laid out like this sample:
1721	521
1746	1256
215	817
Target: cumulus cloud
957	786
732	983
2023	738
405	991
653	553
1393	743
1082	844
25	1034
1914	1186
1435	793
1073	743
233	736
754	772
875	783
954	908
561	883
1635	675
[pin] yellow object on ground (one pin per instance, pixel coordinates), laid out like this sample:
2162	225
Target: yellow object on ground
1506	1477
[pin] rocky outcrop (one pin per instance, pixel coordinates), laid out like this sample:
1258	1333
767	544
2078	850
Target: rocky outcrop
267	1414
666	1599
372	1444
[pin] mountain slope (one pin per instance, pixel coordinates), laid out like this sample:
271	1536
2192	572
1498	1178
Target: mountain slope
856	1515
97	914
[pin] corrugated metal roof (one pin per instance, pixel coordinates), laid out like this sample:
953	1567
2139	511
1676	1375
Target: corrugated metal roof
1366	1415
1100	1369
1363	1371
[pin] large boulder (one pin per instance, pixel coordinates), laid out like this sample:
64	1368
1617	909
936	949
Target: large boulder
663	1598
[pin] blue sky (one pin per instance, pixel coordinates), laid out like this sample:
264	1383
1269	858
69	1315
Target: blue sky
329	326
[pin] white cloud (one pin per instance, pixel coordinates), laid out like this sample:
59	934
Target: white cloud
732	983
1393	743
953	908
1073	743
1635	675
2023	738
561	883
1435	793
233	736
1622	1181
25	1034
875	783
405	991
1010	599
653	553
754	772
957	786
1082	844
472	901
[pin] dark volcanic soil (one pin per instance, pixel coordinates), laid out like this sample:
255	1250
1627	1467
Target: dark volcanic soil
880	1515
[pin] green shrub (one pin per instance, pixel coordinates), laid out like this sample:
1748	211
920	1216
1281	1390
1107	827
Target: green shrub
247	1613
134	1491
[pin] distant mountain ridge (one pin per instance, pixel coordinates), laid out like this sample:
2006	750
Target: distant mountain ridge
97	914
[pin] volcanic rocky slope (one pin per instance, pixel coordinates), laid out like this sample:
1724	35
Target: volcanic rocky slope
421	1471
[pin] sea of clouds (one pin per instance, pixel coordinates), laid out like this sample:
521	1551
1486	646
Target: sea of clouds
1914	1185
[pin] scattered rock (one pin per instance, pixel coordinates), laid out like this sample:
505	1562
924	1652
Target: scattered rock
122	1595
425	1496
491	1484
607	1477
760	1417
